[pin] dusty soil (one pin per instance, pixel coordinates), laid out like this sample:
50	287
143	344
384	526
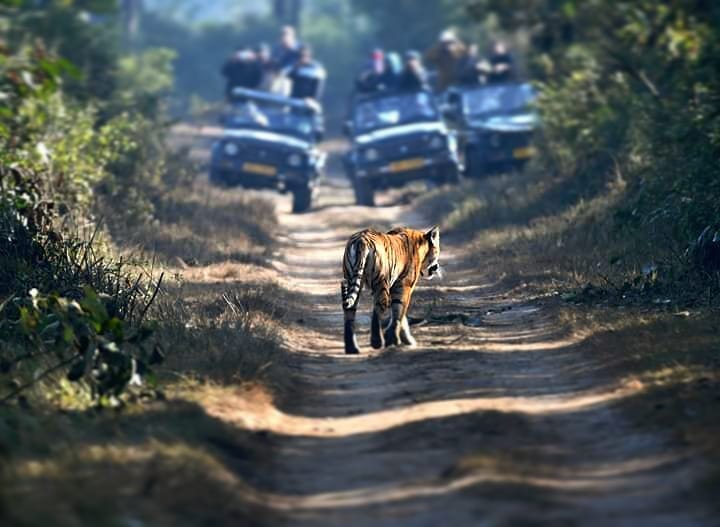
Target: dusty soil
500	416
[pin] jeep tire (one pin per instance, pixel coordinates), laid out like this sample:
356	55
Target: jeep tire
302	199
364	193
453	175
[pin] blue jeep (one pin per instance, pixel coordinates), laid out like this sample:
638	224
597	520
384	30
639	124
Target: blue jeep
270	142
495	125
398	137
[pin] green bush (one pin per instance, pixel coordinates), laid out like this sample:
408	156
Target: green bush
86	337
630	94
73	138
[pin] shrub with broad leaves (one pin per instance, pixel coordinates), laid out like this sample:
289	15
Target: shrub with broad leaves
84	338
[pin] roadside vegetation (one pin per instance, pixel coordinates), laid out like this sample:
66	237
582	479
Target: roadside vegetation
131	294
616	221
624	194
107	332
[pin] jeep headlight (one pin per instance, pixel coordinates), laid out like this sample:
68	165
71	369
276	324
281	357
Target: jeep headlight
371	154
231	149
437	142
295	160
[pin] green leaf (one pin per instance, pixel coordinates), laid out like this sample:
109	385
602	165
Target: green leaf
157	356
92	305
68	334
77	371
115	327
28	322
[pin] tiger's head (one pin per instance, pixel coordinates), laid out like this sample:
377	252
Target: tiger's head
431	263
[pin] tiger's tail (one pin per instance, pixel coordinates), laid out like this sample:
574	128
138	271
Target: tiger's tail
356	256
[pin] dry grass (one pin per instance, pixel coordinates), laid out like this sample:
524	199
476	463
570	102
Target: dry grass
226	333
562	234
206	226
544	241
674	357
166	464
158	463
221	318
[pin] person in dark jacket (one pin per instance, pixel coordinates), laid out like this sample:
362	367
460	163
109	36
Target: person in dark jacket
372	78
413	77
470	68
393	70
502	63
242	70
287	52
445	57
264	58
307	76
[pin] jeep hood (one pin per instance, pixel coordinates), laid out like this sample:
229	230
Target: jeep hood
525	122
397	131
263	136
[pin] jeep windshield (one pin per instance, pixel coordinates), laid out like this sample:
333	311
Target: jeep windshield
490	101
393	110
272	118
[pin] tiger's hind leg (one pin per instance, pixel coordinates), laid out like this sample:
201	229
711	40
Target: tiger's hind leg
398	332
376	335
405	336
382	301
351	345
392	333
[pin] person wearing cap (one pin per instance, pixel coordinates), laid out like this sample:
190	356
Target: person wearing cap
470	67
502	63
371	78
242	70
393	70
265	66
445	57
287	51
307	76
413	77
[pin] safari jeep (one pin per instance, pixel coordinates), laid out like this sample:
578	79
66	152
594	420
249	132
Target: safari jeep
270	142
495	124
398	138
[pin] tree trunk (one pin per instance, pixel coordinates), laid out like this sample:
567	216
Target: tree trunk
279	10
131	10
288	12
295	13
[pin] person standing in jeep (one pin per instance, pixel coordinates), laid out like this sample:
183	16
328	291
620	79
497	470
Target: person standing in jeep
242	70
413	77
502	63
445	57
307	76
287	52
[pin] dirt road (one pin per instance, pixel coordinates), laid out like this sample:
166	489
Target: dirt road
498	417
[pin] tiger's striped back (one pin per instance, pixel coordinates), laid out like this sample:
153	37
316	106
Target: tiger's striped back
390	264
379	259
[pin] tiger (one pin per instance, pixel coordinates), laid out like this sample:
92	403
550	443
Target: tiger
390	264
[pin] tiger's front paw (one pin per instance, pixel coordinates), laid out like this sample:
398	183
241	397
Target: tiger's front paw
392	336
377	341
376	334
407	339
351	346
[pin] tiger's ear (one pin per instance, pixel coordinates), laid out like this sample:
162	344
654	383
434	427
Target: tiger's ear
433	235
